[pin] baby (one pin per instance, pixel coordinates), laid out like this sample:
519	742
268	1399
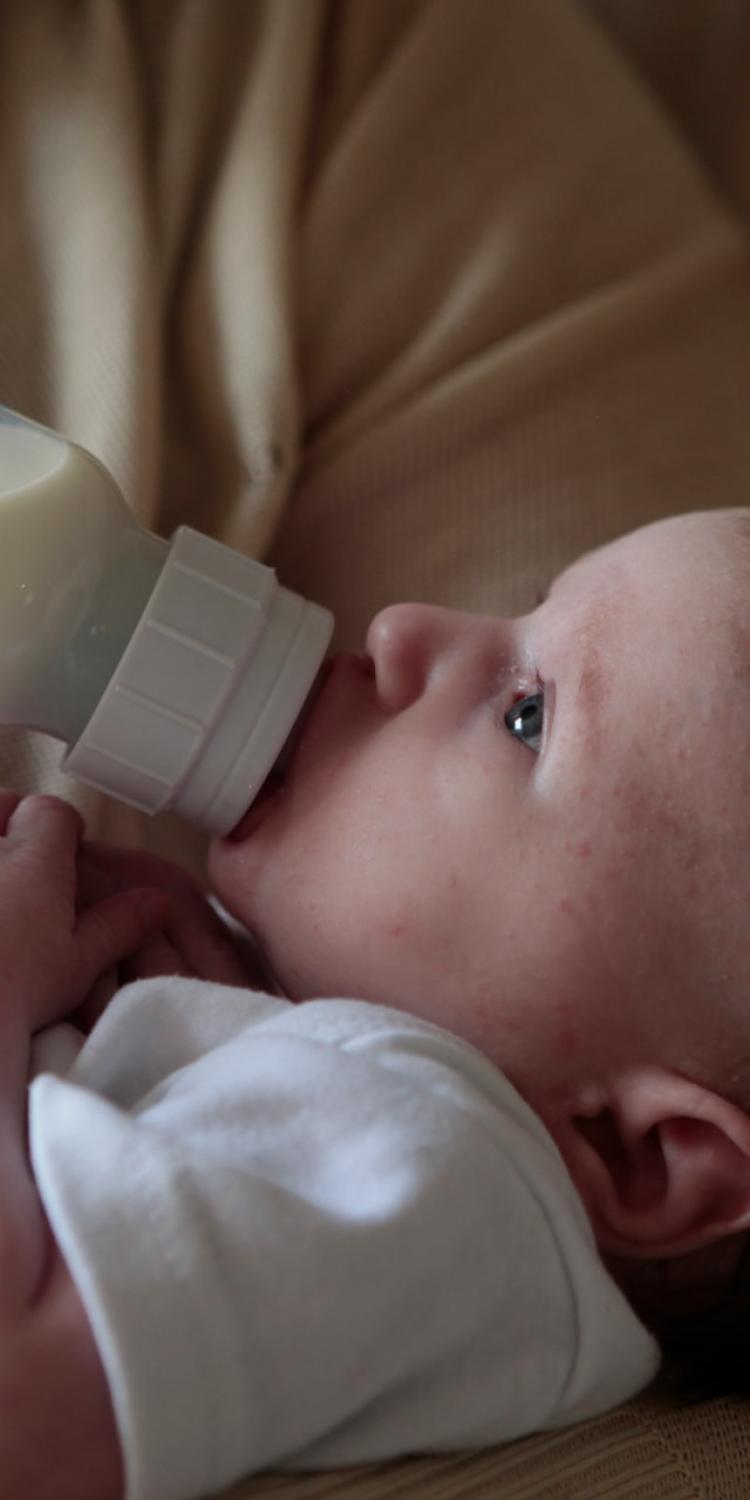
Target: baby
508	872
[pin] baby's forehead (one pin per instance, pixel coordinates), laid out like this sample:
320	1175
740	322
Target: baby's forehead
664	613
694	566
714	543
703	561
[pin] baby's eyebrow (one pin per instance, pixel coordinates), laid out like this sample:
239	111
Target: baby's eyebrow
565	573
590	691
591	688
544	591
552	582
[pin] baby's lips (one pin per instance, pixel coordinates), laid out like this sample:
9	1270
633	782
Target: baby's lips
332	666
289	748
277	775
283	767
272	784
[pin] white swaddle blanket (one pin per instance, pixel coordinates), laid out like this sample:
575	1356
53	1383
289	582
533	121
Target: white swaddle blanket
316	1235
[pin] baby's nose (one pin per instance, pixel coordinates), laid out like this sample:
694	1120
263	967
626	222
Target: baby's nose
406	642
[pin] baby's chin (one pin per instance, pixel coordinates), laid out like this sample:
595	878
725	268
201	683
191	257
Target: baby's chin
261	972
223	862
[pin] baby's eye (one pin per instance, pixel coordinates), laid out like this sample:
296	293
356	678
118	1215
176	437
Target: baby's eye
526	720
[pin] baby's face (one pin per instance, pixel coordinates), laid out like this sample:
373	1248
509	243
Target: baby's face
486	818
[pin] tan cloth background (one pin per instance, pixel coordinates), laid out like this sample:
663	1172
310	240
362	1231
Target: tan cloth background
644	1451
414	298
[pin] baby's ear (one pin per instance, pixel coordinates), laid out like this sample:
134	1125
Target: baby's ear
662	1164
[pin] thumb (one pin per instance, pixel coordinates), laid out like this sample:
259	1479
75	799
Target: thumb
118	926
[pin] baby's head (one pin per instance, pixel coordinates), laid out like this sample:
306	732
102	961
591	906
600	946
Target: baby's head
535	832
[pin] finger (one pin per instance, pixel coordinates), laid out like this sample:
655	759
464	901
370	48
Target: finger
203	940
157	958
194	929
93	880
116	928
9	801
49	823
97	1000
140	867
45	831
103	870
195	932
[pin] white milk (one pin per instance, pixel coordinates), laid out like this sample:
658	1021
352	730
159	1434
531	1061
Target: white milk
174	670
75	575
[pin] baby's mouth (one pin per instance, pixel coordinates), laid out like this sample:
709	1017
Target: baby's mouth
280	772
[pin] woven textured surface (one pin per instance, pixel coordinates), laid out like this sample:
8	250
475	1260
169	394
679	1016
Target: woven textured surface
648	1450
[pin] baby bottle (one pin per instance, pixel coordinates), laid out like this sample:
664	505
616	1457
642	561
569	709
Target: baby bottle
173	671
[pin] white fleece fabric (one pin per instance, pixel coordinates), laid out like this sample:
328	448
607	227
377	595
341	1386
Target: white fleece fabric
316	1235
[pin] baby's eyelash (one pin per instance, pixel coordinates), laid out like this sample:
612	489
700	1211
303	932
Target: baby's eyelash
527	689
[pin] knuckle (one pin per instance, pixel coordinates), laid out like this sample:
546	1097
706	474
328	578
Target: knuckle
45	804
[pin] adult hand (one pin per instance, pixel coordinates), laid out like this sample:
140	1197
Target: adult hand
193	942
52	950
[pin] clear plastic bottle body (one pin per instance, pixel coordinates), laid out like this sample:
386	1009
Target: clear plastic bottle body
75	576
174	670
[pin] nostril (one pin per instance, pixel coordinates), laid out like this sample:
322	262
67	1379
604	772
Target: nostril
403	640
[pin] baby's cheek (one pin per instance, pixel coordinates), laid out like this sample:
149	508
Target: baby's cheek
568	1023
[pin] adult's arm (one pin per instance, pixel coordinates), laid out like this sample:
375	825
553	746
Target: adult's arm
57	1435
58	1439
